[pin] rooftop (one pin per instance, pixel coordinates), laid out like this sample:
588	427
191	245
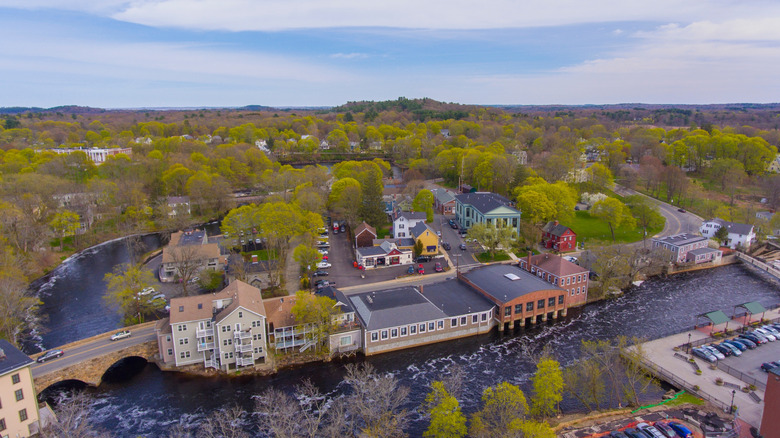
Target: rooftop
456	298
680	239
700	251
11	358
556	265
394	307
280	311
733	227
484	202
335	294
416	215
554	228
507	282
217	305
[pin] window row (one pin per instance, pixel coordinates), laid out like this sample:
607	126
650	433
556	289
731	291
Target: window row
529	306
429	326
184	354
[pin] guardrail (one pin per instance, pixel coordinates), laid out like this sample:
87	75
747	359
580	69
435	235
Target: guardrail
686	346
741	376
759	264
670	377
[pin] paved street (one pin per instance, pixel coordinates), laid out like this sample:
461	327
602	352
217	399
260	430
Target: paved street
94	347
676	222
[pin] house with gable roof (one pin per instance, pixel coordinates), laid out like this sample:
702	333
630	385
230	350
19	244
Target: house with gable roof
386	254
225	330
364	235
424	234
485	207
685	247
346	334
742	235
556	270
19	414
405	221
443	201
558	237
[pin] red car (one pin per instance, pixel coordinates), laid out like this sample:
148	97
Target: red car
420	269
437	267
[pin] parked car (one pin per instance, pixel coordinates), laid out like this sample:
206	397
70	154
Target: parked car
438	233
704	354
734	350
766	366
420	269
446	246
437	267
51	354
120	335
571	259
146	291
681	210
714	352
319	284
325	257
665	429
760	339
726	352
453	224
767	334
775	332
649	430
410	270
682	431
753	338
633	433
194	280
462	246
617	434
423	259
323	251
343	228
736	344
319	273
323	265
746	342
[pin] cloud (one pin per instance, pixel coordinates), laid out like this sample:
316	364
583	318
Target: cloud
349	56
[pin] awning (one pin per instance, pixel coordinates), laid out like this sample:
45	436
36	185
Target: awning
753	307
716	317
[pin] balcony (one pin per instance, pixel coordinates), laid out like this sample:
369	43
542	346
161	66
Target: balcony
210	363
205	346
243	334
202	333
345	327
245	361
346	348
243	348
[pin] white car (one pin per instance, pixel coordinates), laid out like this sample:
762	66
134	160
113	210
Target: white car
147	291
323	265
713	351
571	259
323	251
767	334
120	335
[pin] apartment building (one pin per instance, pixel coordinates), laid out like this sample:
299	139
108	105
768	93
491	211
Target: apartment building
560	272
187	250
225	330
18	404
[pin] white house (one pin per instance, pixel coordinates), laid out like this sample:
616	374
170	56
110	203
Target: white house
406	220
742	235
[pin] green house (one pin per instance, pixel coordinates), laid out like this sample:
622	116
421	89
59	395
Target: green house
485	207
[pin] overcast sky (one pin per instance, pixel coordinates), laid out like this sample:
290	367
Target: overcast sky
195	53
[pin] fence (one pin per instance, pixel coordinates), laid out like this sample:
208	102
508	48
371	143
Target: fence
759	264
669	377
741	376
686	346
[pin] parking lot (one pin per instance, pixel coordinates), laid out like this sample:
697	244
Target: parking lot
750	361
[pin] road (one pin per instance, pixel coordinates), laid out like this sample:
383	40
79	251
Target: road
95	347
676	222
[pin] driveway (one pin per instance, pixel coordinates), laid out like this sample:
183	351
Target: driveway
448	234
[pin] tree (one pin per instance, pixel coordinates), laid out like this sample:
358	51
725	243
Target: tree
316	310
374	406
614	213
722	235
599	177
729	173
211	279
424	202
492	236
536	207
646	214
73	418
15	303
188	261
560	195
307	257
346	199
64	224
503	408
548	388
417	249
446	418
124	284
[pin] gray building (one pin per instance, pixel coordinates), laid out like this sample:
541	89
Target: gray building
487	208
681	244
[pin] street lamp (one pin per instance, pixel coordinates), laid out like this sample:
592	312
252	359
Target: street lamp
731	408
688	347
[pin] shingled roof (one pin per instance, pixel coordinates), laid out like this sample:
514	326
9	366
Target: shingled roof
484	202
556	229
733	227
365	227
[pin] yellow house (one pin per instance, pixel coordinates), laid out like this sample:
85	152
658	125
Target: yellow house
430	241
18	402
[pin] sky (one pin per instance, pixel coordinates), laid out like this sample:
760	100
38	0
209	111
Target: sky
227	53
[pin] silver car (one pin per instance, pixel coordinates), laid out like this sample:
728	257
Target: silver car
714	351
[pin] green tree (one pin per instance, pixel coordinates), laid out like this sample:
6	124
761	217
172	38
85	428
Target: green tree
211	279
424	202
503	408
548	388
492	236
124	284
614	213
346	199
645	213
64	223
446	418
316	310
722	235
599	177
559	195
307	257
536	207
15	303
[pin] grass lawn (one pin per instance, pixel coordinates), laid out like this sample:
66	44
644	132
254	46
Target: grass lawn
383	232
591	230
263	254
500	257
685	398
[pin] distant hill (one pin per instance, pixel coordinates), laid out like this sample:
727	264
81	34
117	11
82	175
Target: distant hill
424	108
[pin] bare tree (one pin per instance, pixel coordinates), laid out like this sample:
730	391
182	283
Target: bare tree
453	382
188	261
224	423
279	414
375	405
73	419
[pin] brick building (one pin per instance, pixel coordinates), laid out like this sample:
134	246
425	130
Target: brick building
770	421
560	272
558	237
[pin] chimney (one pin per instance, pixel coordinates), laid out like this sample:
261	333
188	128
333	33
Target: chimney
528	264
555	223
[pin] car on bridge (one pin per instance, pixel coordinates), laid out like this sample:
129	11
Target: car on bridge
51	354
120	335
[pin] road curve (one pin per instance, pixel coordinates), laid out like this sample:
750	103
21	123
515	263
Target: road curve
676	222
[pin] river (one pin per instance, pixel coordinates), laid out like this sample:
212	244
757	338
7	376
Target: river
150	401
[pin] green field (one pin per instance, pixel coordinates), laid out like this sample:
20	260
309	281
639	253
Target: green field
594	231
263	254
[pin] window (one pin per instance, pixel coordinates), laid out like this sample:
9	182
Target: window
181	355
518	308
431	326
484	316
560	299
540	304
474	318
227	342
374	337
568	280
181	308
2	424
572	292
200	305
462	320
23	415
384	334
168	338
186	354
170	351
225	329
454	322
394	333
403	331
529	306
440	324
259	350
578	290
413	329
15	378
507	310
184	341
19	394
422	328
551	302
240	314
584	289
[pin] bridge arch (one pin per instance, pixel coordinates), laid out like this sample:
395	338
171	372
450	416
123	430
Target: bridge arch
124	369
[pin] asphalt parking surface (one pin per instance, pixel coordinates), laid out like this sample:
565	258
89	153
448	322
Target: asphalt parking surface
750	361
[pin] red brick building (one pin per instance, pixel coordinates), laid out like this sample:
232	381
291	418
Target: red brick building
521	298
364	235
558	237
565	274
770	421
